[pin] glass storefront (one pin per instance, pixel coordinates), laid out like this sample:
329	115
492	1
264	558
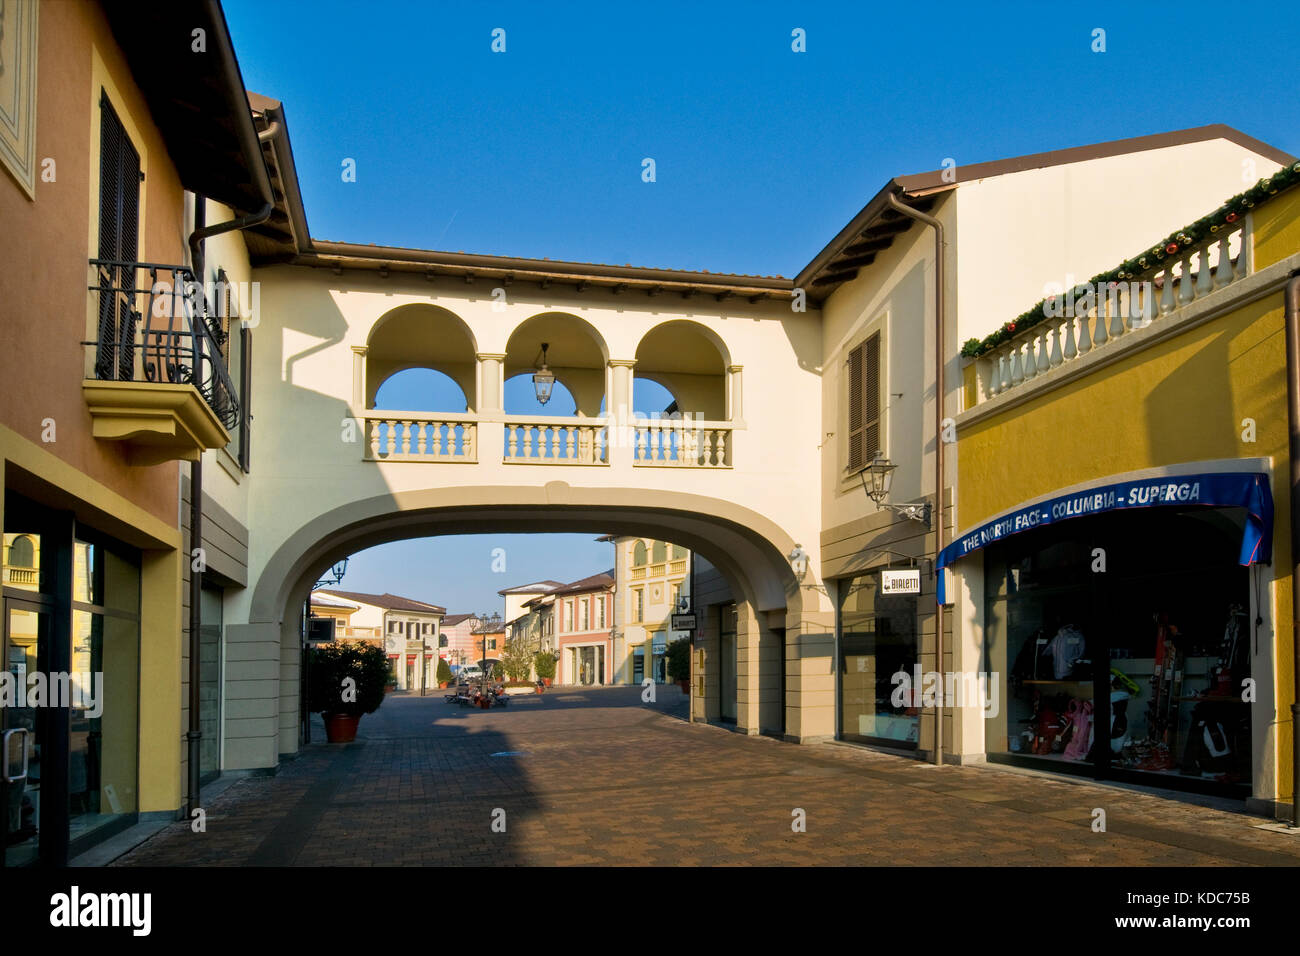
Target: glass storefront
71	651
1125	643
877	639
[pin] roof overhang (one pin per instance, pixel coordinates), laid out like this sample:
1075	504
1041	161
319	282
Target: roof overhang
196	98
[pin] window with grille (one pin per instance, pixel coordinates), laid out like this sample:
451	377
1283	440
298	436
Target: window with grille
864	403
119	226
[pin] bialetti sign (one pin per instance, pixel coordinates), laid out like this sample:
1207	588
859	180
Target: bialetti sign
900	582
1246	490
683	622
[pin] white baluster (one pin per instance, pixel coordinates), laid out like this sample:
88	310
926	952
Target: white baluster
1204	280
1055	358
1239	270
528	440
640	442
1099	335
568	444
1223	274
1004	372
1134	301
1017	376
374	437
1044	363
1071	350
1115	309
513	434
1186	290
420	438
1085	334
555	440
467	440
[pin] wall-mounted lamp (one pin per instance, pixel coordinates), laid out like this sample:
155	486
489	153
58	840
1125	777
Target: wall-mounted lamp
877	478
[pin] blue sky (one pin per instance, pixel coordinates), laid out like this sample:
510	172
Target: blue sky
761	154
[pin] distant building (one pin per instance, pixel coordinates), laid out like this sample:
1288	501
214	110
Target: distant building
653	582
456	644
516	597
410	631
583	616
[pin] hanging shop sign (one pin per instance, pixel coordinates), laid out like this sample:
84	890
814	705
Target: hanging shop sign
900	582
1231	490
683	622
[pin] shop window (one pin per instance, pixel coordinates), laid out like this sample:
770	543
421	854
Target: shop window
878	639
1134	672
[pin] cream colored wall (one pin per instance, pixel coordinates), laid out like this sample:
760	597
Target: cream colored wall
304	369
1082	219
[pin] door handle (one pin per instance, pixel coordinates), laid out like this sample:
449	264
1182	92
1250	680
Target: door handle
4	747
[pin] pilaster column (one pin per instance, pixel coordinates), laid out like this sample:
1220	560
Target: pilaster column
622	433
359	378
491	386
735	392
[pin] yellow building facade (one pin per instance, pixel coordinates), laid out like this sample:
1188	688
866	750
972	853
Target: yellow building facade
1115	511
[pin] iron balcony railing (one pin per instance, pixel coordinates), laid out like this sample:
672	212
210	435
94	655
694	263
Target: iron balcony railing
154	325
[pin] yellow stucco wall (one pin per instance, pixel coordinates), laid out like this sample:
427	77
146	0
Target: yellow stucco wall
1182	400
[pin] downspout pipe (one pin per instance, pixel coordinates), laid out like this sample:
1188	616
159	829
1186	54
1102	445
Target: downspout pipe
201	233
1291	301
939	394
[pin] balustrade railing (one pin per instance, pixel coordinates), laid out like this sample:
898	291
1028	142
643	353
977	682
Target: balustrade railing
686	443
154	325
557	441
412	436
1099	319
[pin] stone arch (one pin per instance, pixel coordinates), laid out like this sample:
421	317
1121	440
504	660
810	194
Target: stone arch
578	355
690	360
422	335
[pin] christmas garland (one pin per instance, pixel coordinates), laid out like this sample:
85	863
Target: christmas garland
1171	246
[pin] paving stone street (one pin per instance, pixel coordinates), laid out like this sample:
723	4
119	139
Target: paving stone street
596	777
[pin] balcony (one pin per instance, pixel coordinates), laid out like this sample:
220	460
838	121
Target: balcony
157	378
1090	324
672	442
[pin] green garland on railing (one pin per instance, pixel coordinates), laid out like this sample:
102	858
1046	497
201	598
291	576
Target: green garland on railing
1172	245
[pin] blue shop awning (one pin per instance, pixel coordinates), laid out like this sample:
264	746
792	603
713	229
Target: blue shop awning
1248	490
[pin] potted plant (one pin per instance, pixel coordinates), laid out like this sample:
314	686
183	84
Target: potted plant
444	673
679	663
544	662
346	681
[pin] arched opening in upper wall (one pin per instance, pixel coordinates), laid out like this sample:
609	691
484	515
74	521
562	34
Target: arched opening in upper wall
576	353
421	336
690	361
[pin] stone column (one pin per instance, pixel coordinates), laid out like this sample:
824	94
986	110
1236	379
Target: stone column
358	379
810	676
735	394
622	433
490	405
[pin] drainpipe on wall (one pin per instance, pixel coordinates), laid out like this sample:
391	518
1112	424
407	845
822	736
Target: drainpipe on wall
201	233
939	392
1292	313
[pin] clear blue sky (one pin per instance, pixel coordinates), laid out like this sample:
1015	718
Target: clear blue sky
761	154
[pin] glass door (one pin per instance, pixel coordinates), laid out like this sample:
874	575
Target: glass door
24	729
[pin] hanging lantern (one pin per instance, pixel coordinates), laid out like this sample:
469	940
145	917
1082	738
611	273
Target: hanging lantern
543	379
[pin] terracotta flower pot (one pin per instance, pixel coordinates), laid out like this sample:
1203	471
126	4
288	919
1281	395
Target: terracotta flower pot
546	681
340	728
539	688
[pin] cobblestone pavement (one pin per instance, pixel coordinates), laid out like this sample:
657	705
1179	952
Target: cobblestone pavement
594	776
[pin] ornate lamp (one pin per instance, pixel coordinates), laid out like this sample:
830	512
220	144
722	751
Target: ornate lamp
877	478
543	379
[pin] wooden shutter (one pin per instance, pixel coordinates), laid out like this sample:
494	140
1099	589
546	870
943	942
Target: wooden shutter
864	403
119	219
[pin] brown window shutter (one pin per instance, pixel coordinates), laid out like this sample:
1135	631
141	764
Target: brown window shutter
855	409
871	398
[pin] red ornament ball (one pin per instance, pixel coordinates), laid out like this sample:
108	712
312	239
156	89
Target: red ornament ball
1171	248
